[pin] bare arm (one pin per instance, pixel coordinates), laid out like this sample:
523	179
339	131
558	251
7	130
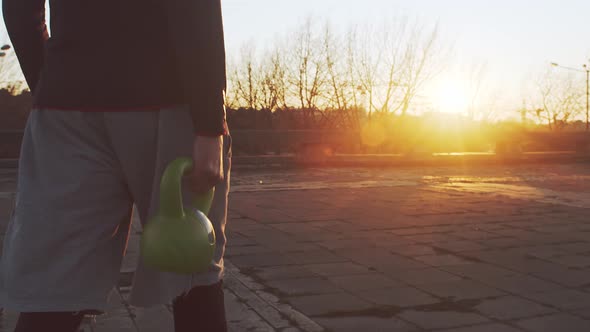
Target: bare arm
25	23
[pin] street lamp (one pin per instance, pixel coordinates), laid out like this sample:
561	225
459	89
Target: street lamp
587	71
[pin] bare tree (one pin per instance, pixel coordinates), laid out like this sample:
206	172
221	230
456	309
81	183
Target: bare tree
559	98
391	62
275	78
336	75
380	68
245	79
368	54
420	62
307	72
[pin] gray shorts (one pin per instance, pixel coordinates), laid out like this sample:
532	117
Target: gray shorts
79	176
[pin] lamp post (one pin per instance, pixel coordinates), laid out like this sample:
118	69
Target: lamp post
587	71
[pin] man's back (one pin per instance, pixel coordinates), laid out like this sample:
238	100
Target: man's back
112	55
107	55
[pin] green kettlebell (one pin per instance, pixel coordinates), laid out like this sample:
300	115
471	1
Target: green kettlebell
175	240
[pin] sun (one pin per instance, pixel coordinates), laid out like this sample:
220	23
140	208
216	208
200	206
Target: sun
451	96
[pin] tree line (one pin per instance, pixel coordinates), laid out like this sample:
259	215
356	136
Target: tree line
318	75
318	69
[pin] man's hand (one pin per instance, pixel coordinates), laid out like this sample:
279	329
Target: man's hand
207	163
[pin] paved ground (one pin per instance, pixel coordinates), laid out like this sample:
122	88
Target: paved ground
497	249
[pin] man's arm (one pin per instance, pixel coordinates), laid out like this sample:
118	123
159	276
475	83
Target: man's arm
25	23
195	28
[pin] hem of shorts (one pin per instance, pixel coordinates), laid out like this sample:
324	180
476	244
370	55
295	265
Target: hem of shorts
196	280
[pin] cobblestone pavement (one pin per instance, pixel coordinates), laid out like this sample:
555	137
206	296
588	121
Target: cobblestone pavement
460	249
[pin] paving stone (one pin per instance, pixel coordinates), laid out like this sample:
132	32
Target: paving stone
585	313
260	260
250	326
477	235
479	271
337	269
364	282
241	318
373	257
419	230
429	275
343	243
534	266
266	310
556	322
240	241
574	248
239	312
413	250
511	307
443	260
566	299
396	264
359	323
329	304
460	246
314	257
545	252
282	272
525	264
303	286
461	290
576	261
246	250
484	328
291	329
564	276
432	238
397	296
501	242
441	319
520	284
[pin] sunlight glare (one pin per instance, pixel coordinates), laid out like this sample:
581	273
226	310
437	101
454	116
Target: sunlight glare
451	96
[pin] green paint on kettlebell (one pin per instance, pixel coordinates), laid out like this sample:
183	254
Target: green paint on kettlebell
178	240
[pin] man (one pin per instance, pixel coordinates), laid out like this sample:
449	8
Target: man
121	88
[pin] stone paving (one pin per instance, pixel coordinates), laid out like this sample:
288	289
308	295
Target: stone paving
461	249
450	249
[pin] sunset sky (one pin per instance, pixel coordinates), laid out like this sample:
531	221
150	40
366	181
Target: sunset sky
516	38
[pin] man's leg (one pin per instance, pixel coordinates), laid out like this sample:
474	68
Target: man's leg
64	243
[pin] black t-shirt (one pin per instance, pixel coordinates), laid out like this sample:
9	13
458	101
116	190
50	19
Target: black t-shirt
121	55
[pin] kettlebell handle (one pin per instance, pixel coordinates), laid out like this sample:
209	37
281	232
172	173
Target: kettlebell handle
171	191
